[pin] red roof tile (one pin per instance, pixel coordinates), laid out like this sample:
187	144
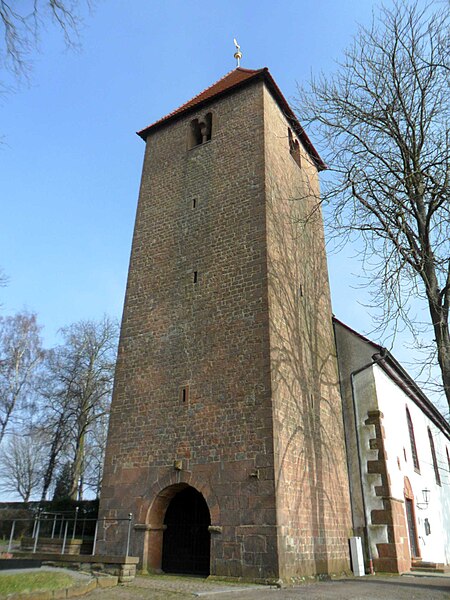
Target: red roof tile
230	81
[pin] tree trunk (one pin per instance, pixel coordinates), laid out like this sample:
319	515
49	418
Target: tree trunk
49	471
55	449
442	336
77	466
5	421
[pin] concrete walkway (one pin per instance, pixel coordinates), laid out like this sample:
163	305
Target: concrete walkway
166	587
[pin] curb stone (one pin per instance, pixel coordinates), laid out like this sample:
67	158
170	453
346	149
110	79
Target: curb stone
231	590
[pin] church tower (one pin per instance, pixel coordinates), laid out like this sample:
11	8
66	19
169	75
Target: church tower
226	439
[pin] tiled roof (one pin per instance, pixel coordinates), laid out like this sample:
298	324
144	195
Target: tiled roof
230	81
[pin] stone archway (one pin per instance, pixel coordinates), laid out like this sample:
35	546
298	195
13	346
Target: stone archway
186	537
178	507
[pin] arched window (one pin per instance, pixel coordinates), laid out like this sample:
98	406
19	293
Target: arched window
412	439
195	134
433	455
208	127
200	131
294	148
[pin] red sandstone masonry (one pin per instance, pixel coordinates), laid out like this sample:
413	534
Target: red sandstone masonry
261	434
212	335
394	554
313	506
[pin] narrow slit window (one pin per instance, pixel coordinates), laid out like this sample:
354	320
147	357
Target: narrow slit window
184	394
195	276
433	456
412	440
194	202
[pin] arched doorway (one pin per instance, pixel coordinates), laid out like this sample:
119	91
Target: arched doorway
411	519
186	540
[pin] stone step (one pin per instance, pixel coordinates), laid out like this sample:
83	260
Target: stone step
431	568
418	562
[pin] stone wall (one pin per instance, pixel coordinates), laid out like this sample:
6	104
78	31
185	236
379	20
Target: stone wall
393	553
226	376
313	506
209	337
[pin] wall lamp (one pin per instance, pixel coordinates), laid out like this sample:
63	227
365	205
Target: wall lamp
426	499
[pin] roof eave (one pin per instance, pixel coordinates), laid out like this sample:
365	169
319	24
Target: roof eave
171	118
261	74
362	337
293	120
394	369
402	378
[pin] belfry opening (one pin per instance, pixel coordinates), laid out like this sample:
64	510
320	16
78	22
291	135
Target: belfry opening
186	539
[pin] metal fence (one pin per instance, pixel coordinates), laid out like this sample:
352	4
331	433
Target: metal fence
62	528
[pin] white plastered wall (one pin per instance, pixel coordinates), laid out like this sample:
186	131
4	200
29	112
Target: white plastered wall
392	401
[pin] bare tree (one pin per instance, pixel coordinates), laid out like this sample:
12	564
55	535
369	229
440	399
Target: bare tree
23	22
95	454
63	482
54	430
3	280
54	417
20	354
81	372
21	460
383	120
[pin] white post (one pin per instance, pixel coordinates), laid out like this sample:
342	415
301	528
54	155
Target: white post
95	538
65	537
130	516
54	526
36	537
75	523
11	536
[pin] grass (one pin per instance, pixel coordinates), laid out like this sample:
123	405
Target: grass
29	582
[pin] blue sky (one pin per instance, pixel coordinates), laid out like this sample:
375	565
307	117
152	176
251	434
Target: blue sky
70	161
